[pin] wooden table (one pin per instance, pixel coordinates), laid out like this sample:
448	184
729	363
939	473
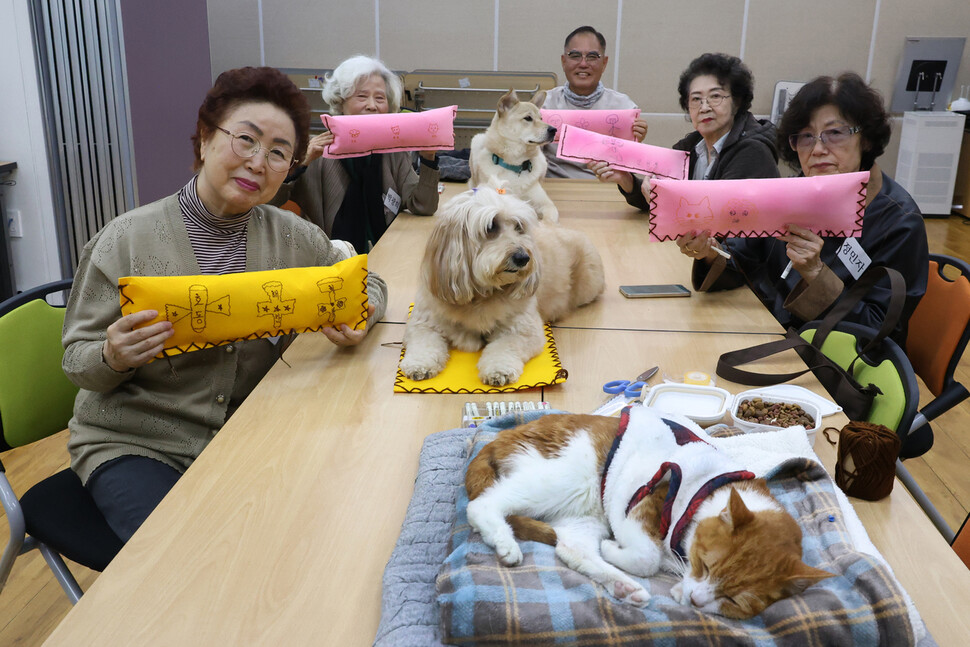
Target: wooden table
279	533
621	235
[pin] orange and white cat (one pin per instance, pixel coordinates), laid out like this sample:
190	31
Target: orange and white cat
632	496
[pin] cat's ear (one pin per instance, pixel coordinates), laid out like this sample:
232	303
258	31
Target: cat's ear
683	201
803	576
706	202
735	514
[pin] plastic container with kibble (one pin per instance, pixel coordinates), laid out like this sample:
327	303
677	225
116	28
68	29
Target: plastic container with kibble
771	423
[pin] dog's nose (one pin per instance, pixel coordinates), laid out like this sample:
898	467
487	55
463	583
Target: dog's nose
520	258
551	130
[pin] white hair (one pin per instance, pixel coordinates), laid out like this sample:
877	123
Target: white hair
343	81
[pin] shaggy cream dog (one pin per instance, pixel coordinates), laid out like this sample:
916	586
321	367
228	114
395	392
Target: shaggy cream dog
509	153
491	275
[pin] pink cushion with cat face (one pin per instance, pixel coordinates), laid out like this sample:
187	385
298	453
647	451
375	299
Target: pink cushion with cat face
829	205
615	123
359	135
580	145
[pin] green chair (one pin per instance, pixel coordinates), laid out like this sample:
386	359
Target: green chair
896	407
56	516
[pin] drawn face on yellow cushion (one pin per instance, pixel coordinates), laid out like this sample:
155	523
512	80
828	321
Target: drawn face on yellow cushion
230	184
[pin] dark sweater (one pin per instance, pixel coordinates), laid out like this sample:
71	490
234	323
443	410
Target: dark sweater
749	151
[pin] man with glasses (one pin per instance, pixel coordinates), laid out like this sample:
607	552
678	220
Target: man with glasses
584	60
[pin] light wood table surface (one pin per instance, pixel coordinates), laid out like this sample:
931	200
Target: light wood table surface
621	235
280	531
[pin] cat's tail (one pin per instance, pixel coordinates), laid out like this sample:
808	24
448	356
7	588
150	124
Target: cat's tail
529	529
482	473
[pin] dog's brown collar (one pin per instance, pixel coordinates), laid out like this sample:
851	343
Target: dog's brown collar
524	167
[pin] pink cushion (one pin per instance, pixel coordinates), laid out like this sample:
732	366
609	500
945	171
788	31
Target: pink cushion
829	205
615	123
359	135
581	145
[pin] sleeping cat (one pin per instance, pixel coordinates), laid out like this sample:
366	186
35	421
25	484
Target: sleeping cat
664	494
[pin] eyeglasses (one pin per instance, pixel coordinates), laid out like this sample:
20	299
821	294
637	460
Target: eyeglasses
714	99
245	145
830	137
591	57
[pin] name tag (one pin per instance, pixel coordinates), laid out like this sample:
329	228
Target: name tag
854	257
392	201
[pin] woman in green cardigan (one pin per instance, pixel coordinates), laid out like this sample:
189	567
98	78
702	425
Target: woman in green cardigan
137	426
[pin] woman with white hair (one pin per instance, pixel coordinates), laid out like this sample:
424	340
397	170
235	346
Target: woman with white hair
355	199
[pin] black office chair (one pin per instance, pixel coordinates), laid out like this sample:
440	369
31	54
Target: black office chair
56	516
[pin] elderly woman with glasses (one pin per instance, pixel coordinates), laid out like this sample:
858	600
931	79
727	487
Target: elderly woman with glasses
727	142
831	126
356	199
139	424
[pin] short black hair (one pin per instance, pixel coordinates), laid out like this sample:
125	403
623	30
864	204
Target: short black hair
861	106
586	29
729	72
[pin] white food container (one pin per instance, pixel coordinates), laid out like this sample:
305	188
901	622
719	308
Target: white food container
705	405
809	407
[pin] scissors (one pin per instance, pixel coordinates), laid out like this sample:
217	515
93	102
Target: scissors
630	388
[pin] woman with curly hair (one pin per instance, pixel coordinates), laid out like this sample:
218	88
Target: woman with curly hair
727	141
139	424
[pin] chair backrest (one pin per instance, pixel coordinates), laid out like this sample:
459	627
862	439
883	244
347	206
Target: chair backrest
36	398
961	542
889	369
940	326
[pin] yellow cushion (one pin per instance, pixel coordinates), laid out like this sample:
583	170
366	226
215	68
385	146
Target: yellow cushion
460	374
213	310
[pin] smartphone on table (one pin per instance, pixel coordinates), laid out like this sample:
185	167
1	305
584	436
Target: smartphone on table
642	291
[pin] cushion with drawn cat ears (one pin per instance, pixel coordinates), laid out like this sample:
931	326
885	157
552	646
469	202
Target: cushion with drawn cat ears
217	309
359	135
578	145
615	123
829	205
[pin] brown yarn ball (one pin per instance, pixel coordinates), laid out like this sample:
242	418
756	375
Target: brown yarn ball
866	463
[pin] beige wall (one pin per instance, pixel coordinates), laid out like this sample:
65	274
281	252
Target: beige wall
649	41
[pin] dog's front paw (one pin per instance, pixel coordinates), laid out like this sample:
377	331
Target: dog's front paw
497	374
418	369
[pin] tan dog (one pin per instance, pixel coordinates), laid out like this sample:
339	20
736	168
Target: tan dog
491	275
509	154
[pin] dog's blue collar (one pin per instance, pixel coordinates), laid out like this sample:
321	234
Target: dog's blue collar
524	167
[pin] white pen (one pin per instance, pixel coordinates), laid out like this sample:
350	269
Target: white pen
721	252
784	274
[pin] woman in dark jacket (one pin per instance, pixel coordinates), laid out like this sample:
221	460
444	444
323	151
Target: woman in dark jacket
831	126
727	143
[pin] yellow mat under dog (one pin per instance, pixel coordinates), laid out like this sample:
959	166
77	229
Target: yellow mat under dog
460	375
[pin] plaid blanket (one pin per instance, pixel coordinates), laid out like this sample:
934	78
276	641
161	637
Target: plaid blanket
542	602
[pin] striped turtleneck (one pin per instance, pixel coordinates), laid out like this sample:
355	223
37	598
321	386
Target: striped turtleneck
219	243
